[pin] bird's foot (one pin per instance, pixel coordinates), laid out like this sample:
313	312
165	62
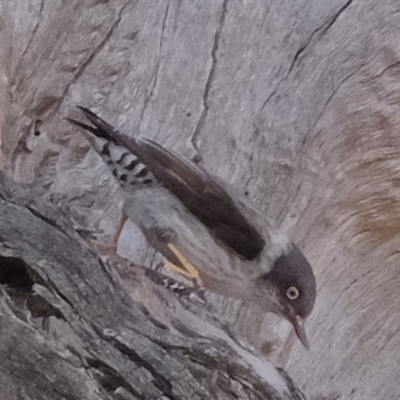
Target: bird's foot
107	248
112	247
190	270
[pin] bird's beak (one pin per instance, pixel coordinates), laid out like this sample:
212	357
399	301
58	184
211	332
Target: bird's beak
298	325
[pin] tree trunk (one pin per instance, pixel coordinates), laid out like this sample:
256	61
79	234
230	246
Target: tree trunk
106	344
296	103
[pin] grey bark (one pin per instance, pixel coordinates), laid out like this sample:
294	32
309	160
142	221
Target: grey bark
106	344
296	103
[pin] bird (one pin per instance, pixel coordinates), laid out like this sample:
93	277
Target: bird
207	230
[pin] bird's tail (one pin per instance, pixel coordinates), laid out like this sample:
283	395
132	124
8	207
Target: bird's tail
126	167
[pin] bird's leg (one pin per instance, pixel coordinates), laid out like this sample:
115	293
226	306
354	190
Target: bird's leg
118	232
113	245
190	270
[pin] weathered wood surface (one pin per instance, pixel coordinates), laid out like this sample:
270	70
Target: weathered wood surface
294	102
117	335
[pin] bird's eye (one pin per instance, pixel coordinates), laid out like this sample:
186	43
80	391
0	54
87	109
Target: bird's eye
292	293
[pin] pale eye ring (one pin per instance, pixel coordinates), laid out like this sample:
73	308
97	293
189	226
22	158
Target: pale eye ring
292	293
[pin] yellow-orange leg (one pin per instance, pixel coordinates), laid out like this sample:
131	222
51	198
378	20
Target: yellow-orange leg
190	270
112	247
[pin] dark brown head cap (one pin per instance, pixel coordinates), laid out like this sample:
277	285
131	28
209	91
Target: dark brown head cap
293	272
292	281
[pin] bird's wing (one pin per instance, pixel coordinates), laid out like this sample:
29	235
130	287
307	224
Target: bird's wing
194	187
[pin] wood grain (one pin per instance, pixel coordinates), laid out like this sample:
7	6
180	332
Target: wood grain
296	103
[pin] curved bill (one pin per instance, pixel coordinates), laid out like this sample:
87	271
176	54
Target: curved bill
298	326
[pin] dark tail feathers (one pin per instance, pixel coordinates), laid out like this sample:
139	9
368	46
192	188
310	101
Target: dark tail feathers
102	128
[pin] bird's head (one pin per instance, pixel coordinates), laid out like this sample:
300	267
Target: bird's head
291	290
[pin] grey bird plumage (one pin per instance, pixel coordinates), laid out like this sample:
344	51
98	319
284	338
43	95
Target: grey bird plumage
236	249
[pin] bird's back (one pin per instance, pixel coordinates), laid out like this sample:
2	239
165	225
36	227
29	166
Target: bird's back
192	185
